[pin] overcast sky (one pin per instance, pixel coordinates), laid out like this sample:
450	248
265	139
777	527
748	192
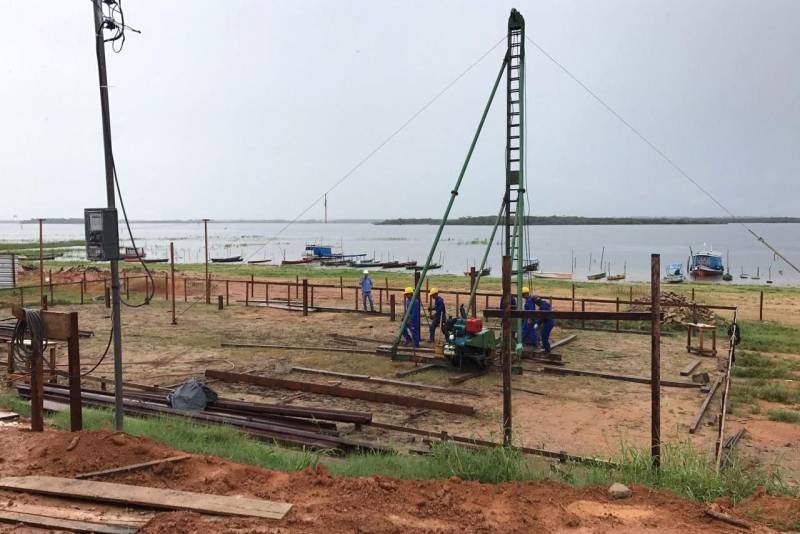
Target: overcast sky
252	109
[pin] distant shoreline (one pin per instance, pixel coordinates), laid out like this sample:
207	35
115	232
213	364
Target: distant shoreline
559	220
487	220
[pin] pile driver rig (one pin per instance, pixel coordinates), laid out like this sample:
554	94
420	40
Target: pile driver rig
473	343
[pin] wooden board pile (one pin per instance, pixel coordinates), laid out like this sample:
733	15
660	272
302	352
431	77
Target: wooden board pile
677	309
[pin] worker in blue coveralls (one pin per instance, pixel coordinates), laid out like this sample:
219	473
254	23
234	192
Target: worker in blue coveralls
411	331
366	291
545	325
437	312
529	325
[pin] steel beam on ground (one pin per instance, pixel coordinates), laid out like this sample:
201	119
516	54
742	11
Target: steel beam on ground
338	391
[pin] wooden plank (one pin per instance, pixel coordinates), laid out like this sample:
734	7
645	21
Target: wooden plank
105	517
157	498
686	371
71	525
610	376
388	381
704	406
338	391
8	416
132	467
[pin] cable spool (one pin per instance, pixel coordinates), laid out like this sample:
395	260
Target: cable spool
31	329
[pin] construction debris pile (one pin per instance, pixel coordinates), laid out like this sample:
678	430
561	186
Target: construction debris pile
677	309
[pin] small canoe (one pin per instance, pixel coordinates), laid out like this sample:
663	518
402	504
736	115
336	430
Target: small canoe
229	259
596	276
408	264
390	265
554	276
431	267
258	261
153	260
296	262
615	277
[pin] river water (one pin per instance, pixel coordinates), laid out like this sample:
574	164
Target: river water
559	248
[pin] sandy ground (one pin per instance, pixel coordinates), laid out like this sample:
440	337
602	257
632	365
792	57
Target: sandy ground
322	503
579	415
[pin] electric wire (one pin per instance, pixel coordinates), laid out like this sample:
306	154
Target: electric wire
381	145
658	151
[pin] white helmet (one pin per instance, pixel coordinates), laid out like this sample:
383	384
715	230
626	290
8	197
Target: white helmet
366	271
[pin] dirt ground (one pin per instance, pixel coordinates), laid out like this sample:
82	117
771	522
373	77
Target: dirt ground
322	503
580	415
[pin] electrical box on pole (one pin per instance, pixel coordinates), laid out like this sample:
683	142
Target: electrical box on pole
102	234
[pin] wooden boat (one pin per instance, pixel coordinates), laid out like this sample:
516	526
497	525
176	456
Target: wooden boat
532	265
674	274
333	263
431	267
486	272
153	260
601	275
229	259
596	276
131	253
706	264
554	276
389	265
408	264
756	276
258	261
296	262
619	276
364	263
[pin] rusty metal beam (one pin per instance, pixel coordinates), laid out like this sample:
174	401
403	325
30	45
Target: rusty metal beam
338	391
558	314
610	376
704	406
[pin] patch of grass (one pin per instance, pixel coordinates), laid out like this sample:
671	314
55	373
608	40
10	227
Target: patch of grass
784	416
685	470
769	336
756	365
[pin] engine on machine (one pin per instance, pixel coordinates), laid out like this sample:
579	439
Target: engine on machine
468	342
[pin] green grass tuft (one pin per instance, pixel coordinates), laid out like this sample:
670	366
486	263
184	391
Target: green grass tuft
784	416
769	336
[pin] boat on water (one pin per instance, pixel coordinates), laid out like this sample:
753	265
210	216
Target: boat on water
253	262
618	276
552	275
316	252
485	272
706	264
600	275
364	263
152	260
756	276
744	275
674	274
389	265
228	259
296	262
431	267
131	253
334	262
529	267
596	276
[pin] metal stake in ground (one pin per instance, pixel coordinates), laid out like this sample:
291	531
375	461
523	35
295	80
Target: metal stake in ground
655	359
208	283
172	272
506	351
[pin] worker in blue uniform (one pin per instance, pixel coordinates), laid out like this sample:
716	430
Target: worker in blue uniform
411	331
366	291
545	325
529	325
437	312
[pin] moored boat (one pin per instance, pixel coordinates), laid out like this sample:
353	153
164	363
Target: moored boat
131	253
228	259
485	272
706	264
553	275
674	274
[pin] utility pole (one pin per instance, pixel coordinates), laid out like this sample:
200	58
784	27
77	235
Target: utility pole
326	207
208	283
111	200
